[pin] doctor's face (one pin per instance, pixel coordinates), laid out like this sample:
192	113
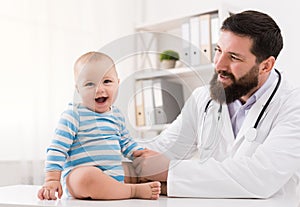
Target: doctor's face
236	70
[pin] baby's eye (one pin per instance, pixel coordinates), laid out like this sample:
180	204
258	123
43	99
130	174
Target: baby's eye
107	81
89	84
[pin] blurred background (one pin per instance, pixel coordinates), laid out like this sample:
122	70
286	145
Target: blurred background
41	39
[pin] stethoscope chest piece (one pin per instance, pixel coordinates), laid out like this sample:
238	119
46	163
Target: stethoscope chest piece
251	134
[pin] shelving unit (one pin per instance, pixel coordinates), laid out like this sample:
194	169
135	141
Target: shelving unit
158	127
194	38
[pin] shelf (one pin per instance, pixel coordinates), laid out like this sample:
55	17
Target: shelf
175	72
169	24
159	127
162	25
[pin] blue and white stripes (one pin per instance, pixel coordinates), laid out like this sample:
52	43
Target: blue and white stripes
84	137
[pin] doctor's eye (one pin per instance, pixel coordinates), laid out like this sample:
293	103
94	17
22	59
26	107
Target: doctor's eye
217	49
233	57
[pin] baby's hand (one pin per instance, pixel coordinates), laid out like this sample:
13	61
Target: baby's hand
47	192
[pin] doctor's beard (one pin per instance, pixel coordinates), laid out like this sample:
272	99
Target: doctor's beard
237	89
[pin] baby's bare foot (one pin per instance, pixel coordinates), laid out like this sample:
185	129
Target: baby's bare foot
149	190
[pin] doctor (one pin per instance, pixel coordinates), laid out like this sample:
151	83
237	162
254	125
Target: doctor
239	137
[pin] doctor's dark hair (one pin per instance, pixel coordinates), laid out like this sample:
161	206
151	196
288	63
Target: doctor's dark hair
261	28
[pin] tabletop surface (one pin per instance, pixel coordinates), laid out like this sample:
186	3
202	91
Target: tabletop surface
26	195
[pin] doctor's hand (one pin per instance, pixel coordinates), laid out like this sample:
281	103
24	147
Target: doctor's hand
151	165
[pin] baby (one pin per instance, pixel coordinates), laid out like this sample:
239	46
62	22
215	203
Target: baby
91	138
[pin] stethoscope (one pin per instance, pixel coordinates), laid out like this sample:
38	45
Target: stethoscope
252	132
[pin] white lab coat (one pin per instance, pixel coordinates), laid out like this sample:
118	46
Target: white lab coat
234	167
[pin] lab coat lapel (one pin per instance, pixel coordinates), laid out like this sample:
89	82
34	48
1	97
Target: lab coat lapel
227	131
252	116
218	135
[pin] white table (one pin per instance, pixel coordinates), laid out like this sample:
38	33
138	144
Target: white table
26	195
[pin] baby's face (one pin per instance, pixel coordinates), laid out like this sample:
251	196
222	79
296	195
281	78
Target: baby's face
97	85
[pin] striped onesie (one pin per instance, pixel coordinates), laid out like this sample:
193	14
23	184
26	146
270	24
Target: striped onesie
87	138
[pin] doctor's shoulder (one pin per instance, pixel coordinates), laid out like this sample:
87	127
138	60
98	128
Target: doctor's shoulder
292	96
290	92
287	102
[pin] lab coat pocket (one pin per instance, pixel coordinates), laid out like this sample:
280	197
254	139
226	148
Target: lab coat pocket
252	148
209	143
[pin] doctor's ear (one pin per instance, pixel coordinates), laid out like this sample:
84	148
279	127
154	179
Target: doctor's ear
267	64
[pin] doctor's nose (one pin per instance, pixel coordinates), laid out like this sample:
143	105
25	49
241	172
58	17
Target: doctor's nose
221	63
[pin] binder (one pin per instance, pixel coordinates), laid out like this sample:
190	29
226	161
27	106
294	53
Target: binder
200	35
205	39
195	41
148	102
185	34
168	100
215	31
157	101
139	104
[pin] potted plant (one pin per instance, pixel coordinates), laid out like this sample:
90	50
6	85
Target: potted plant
168	59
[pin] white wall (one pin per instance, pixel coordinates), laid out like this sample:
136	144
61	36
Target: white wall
286	13
40	41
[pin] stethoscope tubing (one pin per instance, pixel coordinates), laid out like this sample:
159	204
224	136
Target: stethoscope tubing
269	100
265	106
252	130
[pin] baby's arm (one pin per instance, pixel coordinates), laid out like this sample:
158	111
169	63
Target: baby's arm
51	186
65	133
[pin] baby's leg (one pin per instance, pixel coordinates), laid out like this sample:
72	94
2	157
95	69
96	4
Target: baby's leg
149	190
91	182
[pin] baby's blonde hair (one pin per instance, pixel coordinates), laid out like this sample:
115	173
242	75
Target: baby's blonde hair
91	57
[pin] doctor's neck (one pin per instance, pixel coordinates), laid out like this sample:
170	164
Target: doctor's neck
245	98
262	78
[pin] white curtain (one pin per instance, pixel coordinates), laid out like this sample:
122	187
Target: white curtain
40	40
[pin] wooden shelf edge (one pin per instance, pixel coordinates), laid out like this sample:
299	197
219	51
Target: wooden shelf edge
183	71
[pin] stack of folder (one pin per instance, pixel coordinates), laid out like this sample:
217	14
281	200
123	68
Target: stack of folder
157	101
200	34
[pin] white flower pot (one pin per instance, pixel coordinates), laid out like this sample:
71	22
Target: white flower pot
167	64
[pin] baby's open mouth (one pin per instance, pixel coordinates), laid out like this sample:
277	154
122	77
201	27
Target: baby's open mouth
101	99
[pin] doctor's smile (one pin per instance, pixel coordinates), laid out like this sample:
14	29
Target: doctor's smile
225	78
